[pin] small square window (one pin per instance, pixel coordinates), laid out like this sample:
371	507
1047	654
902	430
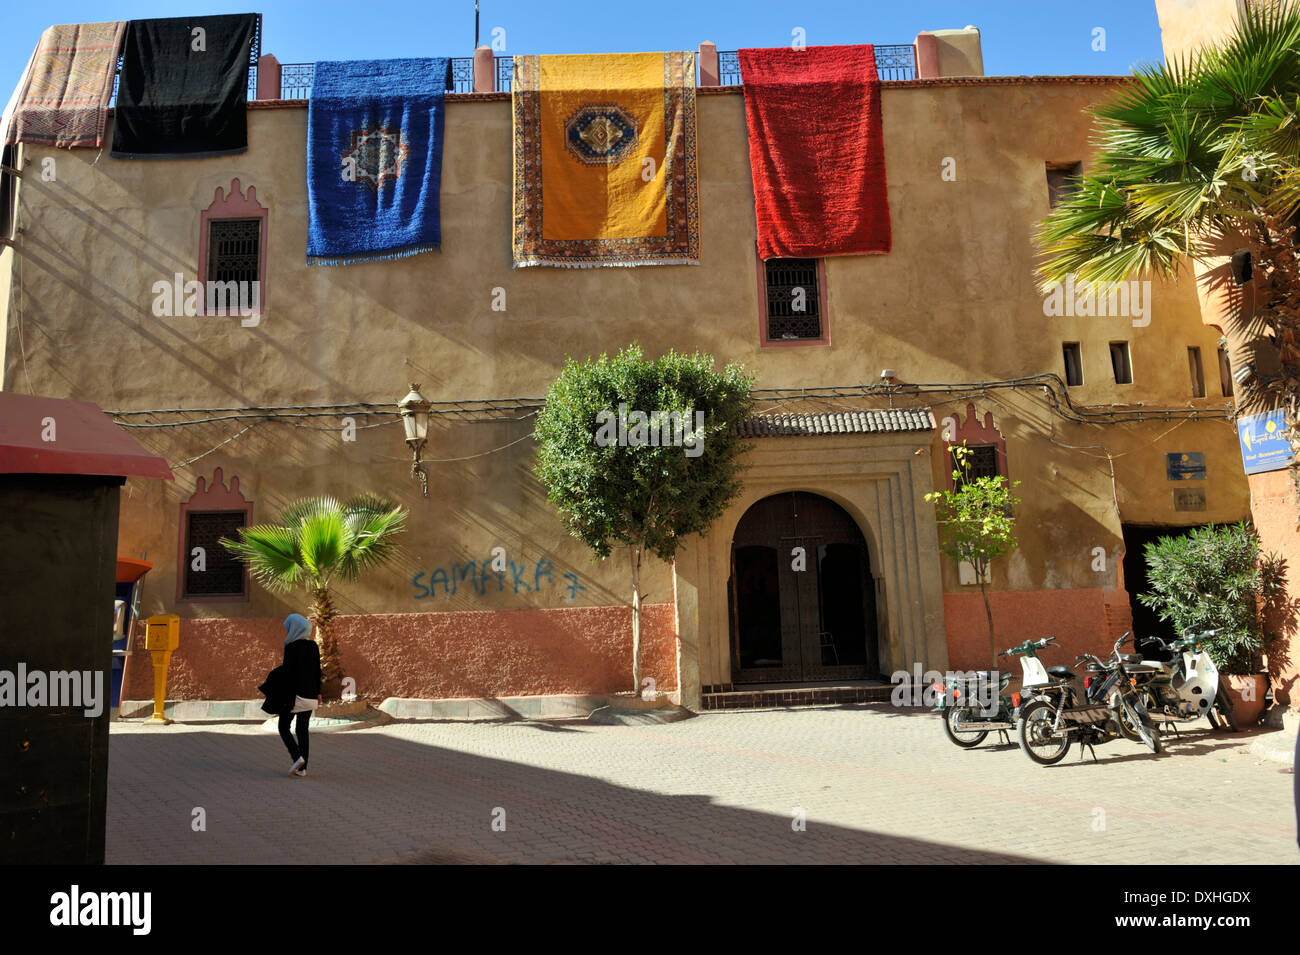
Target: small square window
1062	180
1225	373
218	573
793	300
1120	364
1196	371
1073	355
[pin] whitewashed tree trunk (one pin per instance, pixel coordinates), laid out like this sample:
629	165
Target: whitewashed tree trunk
636	620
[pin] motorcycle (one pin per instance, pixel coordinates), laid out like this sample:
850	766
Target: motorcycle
966	719
1188	686
1065	710
1139	672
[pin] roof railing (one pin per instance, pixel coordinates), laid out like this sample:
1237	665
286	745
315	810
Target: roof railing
895	61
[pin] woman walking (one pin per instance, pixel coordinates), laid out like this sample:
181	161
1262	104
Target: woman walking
302	688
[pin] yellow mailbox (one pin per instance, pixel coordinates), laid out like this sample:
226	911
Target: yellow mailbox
162	635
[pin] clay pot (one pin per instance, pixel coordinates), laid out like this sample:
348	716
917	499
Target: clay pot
1247	697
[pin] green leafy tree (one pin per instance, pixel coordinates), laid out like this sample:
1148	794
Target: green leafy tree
977	523
317	541
1197	158
644	496
1216	577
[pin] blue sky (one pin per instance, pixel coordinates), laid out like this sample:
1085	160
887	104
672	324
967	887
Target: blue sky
1019	36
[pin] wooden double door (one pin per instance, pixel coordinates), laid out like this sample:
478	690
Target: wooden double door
801	594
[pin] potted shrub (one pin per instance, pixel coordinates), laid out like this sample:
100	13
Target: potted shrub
1216	577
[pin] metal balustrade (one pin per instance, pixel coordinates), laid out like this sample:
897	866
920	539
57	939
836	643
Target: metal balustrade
296	78
893	62
505	73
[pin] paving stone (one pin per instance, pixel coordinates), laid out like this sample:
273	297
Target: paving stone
876	785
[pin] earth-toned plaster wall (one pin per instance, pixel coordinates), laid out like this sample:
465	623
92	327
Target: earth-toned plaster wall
1186	25
955	301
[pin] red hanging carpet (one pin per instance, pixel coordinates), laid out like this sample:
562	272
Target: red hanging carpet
816	151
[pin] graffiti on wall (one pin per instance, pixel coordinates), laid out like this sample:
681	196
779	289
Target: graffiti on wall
478	578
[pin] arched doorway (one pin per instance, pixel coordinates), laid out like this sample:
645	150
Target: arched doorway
801	594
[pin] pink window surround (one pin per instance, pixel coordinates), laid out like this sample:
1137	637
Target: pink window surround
975	434
823	311
235	205
210	497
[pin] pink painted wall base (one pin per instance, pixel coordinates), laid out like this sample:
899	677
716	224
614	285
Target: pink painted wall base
1083	621
428	655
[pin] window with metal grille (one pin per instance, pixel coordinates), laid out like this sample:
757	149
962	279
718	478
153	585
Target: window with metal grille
983	461
222	575
793	299
234	250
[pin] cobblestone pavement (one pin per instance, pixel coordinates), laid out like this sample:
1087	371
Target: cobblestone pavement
875	785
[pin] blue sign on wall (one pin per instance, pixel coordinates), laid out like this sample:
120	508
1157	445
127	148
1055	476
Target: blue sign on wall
1263	448
1185	466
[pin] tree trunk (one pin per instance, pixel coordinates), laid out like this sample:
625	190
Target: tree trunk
636	619
988	612
322	613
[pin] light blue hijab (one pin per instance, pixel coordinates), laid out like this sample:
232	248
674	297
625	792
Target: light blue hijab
297	626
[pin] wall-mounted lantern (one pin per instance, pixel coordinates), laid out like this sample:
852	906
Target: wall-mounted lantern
415	419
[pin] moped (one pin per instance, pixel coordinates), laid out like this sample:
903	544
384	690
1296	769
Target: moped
1188	686
1063	711
968	713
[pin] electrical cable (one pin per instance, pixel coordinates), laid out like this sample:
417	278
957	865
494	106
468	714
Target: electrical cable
493	409
210	450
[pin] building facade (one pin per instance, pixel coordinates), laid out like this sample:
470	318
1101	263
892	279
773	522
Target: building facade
1116	427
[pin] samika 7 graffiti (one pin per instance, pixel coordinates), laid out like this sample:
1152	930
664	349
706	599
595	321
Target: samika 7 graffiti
477	577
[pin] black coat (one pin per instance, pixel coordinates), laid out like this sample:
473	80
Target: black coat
298	675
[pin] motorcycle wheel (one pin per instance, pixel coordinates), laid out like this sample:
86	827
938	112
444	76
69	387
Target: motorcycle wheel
1148	735
1222	709
1034	731
1127	728
963	738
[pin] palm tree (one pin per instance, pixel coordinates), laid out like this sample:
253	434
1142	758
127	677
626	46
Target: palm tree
1198	158
318	540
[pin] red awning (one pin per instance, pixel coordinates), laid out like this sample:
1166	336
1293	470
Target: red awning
130	570
85	440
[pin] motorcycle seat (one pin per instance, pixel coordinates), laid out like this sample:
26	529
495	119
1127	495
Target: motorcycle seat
1140	668
1130	658
984	677
1060	673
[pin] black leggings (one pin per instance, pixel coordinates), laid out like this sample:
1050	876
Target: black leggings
300	747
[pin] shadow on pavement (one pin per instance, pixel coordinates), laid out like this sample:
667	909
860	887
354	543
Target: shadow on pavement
371	797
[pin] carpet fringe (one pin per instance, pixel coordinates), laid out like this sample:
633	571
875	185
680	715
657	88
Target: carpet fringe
374	256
